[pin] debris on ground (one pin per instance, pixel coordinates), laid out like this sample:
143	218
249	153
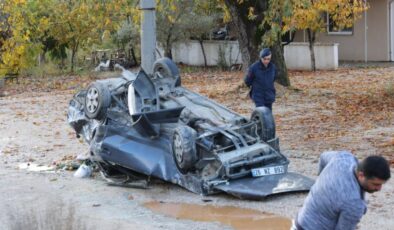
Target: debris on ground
29	166
83	171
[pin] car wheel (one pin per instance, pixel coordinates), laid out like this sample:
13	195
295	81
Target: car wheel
265	123
97	101
184	148
167	69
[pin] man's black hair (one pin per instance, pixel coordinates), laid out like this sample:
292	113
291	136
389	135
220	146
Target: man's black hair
375	167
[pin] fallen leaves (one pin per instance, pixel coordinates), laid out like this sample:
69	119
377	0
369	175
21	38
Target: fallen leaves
389	143
328	109
48	84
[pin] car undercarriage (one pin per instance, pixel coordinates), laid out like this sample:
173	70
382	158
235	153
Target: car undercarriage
144	126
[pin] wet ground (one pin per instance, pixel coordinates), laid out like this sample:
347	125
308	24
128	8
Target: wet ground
238	218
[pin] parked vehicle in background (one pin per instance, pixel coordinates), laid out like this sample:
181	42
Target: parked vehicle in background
106	59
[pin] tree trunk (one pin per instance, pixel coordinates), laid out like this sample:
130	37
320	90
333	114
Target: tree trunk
133	55
279	61
167	48
250	36
62	64
311	39
246	31
72	60
168	45
73	54
168	53
201	41
41	58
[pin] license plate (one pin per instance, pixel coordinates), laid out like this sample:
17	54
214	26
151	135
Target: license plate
268	171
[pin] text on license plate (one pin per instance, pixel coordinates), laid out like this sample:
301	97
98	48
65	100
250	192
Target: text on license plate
268	171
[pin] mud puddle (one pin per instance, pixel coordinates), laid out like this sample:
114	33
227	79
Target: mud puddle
238	218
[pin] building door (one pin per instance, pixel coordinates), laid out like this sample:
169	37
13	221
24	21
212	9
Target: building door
392	30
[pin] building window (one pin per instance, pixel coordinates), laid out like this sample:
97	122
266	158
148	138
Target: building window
333	29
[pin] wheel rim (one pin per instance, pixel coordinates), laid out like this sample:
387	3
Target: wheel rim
178	150
256	119
92	100
162	72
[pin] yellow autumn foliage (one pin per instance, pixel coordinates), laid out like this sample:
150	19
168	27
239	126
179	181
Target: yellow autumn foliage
76	23
14	50
308	14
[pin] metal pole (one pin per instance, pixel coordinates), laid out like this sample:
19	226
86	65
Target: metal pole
148	35
391	26
365	34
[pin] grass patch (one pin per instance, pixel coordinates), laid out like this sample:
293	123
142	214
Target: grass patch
389	89
55	216
47	69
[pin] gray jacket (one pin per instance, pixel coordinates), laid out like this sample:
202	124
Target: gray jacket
336	200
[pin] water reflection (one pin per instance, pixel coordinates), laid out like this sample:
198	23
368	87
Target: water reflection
238	218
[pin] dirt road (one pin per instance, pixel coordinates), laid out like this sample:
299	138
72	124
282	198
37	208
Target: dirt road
347	109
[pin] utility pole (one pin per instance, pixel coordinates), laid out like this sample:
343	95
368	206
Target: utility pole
148	35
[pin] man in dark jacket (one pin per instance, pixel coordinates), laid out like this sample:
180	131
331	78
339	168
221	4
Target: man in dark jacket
260	77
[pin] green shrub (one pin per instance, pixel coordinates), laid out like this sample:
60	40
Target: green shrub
47	69
390	89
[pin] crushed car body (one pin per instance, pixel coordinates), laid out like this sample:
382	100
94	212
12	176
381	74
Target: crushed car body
139	126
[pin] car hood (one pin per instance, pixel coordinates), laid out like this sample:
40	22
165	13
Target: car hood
253	188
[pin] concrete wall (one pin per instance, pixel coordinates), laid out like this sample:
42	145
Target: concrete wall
297	56
358	47
190	53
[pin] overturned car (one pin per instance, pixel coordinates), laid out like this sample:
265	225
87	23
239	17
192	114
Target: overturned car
143	126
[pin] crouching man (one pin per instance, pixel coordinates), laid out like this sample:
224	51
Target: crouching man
336	200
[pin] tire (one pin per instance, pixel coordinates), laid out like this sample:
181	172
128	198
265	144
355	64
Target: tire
167	68
184	148
265	123
97	101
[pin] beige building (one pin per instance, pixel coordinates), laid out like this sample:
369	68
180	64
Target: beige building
370	39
